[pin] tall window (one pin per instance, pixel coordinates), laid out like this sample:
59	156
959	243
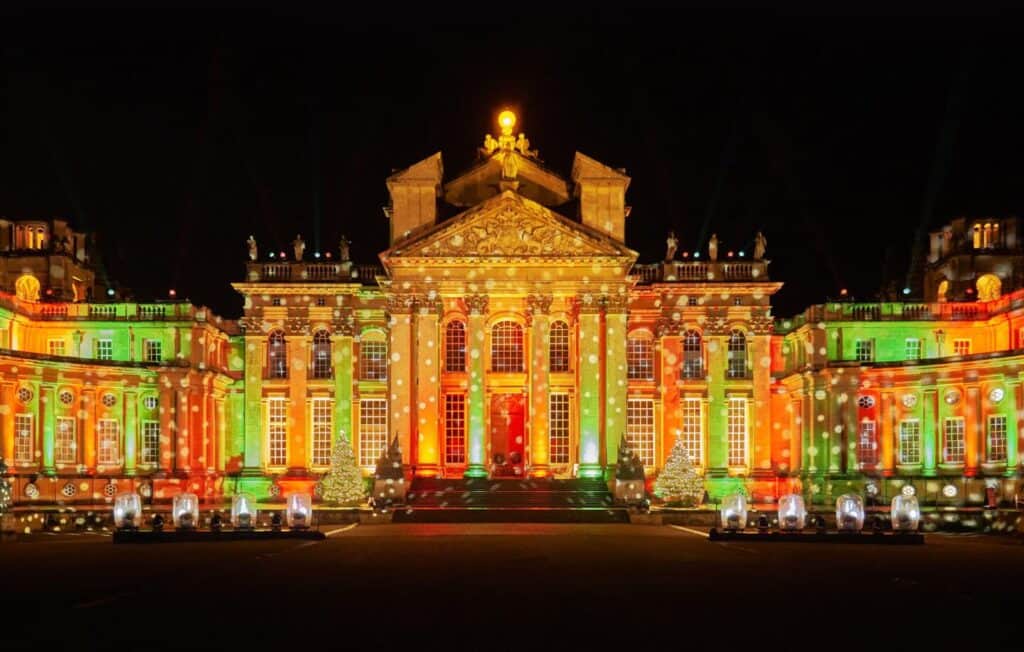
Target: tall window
867	443
953	440
373	359
693	355
997	438
693	430
640	358
104	349
108	442
961	347
24	434
864	350
913	349
55	347
737	354
454	429
558	428
910	442
154	351
277	431
150	453
737	431
322	426
558	346
277	355
640	428
321	354
373	429
65	443
455	346
507	347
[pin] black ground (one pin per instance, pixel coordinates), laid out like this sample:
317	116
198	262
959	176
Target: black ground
512	586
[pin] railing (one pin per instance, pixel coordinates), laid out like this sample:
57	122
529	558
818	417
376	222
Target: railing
114	311
701	271
300	272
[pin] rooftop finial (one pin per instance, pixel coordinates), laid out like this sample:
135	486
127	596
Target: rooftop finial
507	141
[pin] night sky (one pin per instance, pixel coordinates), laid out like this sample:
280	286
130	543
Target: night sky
842	137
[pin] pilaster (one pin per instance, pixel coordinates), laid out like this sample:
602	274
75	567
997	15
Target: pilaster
401	367
539	307
615	378
476	309
591	386
428	445
131	442
47	405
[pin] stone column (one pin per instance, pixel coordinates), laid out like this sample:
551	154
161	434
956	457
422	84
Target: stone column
591	386
400	371
428	347
342	344
220	450
760	414
1013	425
88	429
974	439
298	350
166	415
182	463
671	398
718	405
7	423
539	307
930	431
47	405
253	454
131	442
476	338
887	436
615	379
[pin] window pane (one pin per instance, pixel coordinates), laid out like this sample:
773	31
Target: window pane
507	347
737	355
953	446
455	346
737	426
910	442
640	358
322	427
559	347
24	435
997	438
277	355
277	431
65	442
867	444
693	356
693	430
108	442
373	430
150	442
322	354
558	429
454	429
373	360
640	428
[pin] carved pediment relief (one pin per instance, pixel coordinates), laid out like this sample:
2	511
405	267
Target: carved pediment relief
506	226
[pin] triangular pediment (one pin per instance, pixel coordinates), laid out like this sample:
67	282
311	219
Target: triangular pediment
510	226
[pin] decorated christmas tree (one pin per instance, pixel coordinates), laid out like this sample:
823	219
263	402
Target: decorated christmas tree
679	481
344	483
5	488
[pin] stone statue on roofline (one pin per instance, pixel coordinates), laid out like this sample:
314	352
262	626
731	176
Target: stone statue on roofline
672	244
253	252
760	246
300	247
713	247
343	248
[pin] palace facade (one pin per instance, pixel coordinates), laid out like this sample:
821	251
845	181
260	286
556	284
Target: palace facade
509	331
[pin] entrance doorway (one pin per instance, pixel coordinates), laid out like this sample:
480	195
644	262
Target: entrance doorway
508	439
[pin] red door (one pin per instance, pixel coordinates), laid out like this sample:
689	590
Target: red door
508	439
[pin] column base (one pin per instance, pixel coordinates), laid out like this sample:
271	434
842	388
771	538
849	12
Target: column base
590	471
426	471
539	471
475	471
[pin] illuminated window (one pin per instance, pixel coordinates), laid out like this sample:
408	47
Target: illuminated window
737	431
912	349
277	431
953	440
640	358
977	236
455	346
910	442
104	349
558	428
640	428
154	351
65	443
997	438
507	347
867	443
321	354
864	350
558	347
24	434
692	301
322	427
150	453
55	347
454	429
693	355
961	347
277	355
373	430
108	441
737	354
373	359
693	430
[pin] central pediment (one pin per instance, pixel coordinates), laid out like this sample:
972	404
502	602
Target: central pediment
510	226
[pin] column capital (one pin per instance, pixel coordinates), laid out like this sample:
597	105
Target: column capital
615	303
430	306
539	303
400	303
587	304
477	304
666	326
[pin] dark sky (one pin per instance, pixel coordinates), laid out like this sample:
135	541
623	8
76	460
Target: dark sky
176	135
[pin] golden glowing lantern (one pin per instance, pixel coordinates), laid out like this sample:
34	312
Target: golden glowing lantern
507	121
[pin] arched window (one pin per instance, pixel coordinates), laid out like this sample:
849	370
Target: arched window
507	347
455	346
373	356
321	354
989	287
737	354
640	357
277	355
693	355
986	238
558	346
977	236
